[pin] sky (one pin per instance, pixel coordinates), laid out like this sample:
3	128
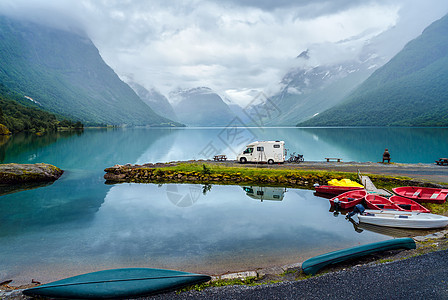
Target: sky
236	47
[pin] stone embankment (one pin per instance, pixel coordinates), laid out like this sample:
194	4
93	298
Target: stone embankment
161	173
209	172
28	173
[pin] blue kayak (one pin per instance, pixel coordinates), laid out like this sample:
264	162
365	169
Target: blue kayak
117	283
314	264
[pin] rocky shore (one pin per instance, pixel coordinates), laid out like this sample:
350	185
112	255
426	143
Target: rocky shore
303	175
28	173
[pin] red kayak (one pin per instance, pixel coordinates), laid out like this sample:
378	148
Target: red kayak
381	203
335	190
408	204
348	199
422	194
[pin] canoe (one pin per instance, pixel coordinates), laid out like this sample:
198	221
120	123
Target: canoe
117	283
335	190
403	219
348	199
314	264
407	204
422	194
380	203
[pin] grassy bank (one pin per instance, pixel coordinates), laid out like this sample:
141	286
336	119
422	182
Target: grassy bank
230	175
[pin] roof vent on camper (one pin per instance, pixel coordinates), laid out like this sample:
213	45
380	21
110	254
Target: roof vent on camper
277	141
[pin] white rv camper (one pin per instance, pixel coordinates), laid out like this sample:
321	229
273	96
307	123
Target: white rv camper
265	193
266	152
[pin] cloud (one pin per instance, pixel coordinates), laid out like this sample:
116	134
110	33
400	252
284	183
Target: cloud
237	46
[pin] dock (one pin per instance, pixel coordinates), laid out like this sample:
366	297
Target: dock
370	187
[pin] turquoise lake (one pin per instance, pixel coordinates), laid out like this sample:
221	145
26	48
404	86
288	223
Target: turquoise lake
79	224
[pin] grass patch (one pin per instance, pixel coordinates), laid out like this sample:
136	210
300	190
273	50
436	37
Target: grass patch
386	260
250	281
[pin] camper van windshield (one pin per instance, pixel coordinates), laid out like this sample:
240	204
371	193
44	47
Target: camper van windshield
249	150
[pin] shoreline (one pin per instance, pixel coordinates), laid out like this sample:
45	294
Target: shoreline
425	173
282	274
294	175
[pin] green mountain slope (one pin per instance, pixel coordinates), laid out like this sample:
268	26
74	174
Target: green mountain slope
65	73
20	114
410	90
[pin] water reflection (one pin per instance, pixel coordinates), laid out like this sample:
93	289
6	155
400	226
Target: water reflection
19	143
265	193
144	225
79	221
395	232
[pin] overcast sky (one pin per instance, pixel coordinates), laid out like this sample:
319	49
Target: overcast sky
235	47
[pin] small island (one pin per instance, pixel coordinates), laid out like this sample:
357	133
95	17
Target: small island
28	173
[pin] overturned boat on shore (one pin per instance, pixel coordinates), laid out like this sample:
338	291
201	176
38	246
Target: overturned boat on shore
314	264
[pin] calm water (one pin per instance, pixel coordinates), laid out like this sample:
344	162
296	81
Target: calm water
79	224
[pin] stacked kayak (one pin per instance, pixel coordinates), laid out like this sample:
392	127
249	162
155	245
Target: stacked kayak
344	182
337	187
335	190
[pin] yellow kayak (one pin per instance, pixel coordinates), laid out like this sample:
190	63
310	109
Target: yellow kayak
344	182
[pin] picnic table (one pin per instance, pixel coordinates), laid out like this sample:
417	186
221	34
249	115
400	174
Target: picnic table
332	158
442	161
220	157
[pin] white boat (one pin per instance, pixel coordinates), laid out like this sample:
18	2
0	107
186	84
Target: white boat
402	219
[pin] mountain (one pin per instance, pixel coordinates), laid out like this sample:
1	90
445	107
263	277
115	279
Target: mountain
201	107
158	102
65	74
410	90
18	113
309	90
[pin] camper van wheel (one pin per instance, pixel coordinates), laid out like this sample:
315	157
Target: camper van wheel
271	161
243	160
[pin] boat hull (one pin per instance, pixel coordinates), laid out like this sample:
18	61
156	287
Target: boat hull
313	265
335	190
407	204
422	194
348	199
117	283
403	219
380	203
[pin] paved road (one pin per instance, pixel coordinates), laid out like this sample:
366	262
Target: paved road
420	172
421	277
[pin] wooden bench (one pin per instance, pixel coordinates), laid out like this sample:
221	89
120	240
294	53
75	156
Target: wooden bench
332	158
220	158
442	161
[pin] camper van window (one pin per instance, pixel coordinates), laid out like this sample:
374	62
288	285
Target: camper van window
276	146
249	150
260	193
260	148
248	190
